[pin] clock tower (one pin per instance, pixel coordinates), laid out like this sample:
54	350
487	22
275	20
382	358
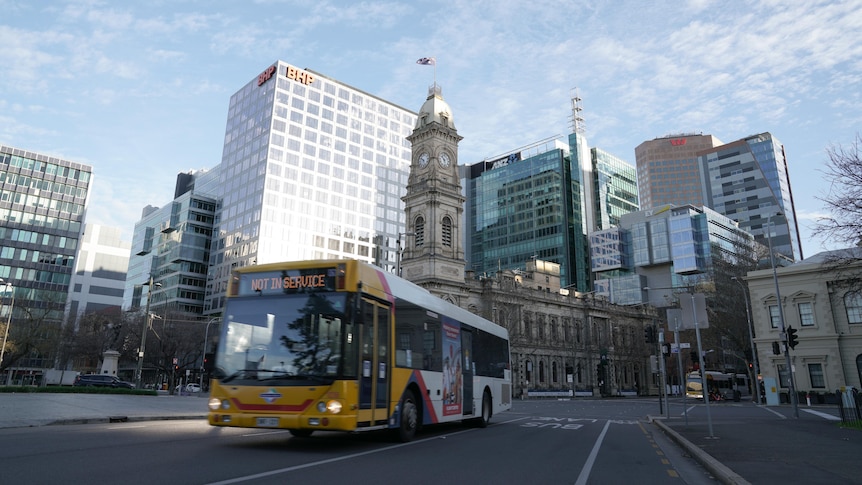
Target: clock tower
434	205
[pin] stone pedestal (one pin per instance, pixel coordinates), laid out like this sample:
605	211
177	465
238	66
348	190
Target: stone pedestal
109	362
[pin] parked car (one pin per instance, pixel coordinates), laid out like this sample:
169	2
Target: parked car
102	380
190	387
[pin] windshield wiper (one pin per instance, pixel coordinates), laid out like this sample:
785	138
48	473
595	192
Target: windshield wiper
238	373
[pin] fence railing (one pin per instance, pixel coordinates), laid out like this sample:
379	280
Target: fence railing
850	406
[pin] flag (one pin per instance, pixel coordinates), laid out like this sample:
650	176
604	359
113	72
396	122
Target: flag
427	61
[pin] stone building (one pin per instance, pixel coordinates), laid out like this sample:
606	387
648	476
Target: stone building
821	298
562	342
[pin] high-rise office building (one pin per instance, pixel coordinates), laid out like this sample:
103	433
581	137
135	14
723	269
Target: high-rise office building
746	180
172	245
43	200
311	168
668	170
541	201
668	247
100	272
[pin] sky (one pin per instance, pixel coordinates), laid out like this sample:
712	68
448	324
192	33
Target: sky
140	90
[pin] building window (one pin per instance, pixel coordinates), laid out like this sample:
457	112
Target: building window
554	372
806	314
783	376
774	316
853	305
447	232
541	371
815	374
419	232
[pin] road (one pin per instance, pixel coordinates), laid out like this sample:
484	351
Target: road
553	442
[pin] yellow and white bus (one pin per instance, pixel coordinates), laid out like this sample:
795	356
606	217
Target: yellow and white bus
341	345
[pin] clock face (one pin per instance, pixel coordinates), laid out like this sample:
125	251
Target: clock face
423	160
444	160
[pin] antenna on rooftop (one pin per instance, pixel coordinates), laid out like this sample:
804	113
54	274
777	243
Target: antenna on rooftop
577	108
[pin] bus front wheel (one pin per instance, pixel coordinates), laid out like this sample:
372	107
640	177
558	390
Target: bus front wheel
409	418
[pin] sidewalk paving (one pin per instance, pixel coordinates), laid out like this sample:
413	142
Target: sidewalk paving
760	444
40	409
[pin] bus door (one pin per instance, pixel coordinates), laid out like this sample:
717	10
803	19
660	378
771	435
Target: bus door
467	369
374	369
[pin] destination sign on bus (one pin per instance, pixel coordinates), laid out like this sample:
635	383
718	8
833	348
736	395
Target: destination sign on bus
281	282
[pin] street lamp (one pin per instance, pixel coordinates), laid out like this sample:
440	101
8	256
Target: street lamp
147	323
204	354
755	381
8	285
793	397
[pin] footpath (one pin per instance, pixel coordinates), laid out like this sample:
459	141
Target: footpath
41	408
747	443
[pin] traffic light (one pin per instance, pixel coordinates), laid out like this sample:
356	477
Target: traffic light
792	339
649	335
776	349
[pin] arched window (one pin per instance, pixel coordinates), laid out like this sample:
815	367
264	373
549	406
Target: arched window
447	232
419	232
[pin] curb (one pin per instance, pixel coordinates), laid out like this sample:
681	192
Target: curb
719	470
105	419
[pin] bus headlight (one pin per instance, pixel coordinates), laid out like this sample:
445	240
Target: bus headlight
216	403
333	407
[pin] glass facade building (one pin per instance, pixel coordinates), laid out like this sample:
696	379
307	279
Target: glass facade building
662	248
172	244
311	168
748	180
43	200
540	202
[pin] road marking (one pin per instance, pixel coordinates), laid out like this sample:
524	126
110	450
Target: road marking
776	413
331	460
822	415
127	427
591	460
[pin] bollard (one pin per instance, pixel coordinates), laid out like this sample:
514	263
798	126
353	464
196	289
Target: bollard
808	399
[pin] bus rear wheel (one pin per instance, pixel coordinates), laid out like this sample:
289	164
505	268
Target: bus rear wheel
301	433
409	418
483	420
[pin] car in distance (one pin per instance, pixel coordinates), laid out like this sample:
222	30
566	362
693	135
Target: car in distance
189	388
102	380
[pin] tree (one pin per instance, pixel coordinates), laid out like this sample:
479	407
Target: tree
844	199
96	332
36	329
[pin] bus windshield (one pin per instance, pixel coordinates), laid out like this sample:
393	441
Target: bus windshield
285	337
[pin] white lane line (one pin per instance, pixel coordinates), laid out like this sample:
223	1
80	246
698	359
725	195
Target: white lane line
775	412
331	460
823	415
588	466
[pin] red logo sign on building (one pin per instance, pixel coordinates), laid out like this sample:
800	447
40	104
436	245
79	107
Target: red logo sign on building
677	142
265	75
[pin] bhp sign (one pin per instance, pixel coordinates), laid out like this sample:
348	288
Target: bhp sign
677	142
